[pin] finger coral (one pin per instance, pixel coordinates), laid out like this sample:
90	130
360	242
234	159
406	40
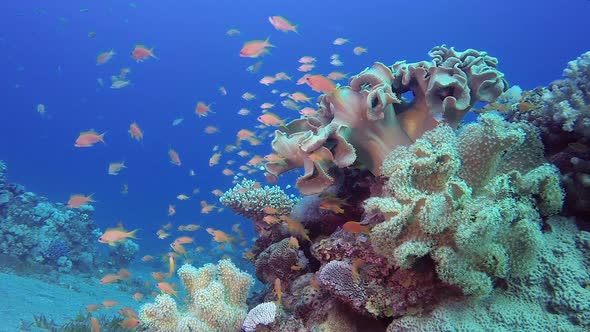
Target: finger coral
217	301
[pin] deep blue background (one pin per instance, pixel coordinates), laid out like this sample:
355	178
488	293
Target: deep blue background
46	57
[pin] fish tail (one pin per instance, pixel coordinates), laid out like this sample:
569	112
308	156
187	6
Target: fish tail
101	138
132	233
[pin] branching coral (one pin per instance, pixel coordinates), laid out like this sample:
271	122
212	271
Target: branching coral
479	221
217	301
363	122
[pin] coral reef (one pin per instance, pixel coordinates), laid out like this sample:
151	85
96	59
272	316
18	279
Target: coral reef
411	219
361	123
551	298
38	232
562	113
217	301
451	198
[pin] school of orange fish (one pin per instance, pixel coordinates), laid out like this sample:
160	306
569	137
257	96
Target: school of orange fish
295	101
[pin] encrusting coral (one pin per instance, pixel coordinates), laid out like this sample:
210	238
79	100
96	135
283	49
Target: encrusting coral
217	301
453	202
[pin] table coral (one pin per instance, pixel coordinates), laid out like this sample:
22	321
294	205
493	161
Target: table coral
361	123
477	221
217	301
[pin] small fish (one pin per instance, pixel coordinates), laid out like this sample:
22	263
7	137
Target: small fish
359	50
340	41
104	57
206	208
94	325
109	279
203	109
89	138
220	236
130	322
166	288
112	236
355	227
141	53
174	157
135	132
77	200
320	83
232	32
282	24
222	91
278	291
109	303
118	84
270	119
182	197
255	48
171	210
177	121
307	59
253	69
116	167
41	109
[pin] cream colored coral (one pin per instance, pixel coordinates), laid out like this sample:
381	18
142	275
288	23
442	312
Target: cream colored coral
217	301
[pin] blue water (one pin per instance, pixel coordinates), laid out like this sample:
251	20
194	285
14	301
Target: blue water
46	57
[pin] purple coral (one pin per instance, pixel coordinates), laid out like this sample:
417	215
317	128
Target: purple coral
338	278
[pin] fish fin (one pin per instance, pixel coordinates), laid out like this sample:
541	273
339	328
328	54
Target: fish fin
132	233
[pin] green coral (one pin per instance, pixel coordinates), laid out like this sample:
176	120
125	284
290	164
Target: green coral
461	199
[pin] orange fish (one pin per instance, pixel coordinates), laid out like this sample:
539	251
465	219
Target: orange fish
278	291
104	57
220	236
191	227
135	132
158	276
166	288
109	303
147	258
203	109
270	119
299	97
130	322
88	138
112	236
295	227
355	227
124	274
140	53
137	296
109	279
211	130
128	312
174	157
206	208
92	307
214	160
255	48
320	83
306	67
282	24
77	200
355	268
184	240
178	248
94	325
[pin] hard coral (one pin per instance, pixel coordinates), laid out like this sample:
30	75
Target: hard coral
217	301
478	222
363	122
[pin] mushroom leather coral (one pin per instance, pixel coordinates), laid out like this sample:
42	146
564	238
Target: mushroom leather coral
363	122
